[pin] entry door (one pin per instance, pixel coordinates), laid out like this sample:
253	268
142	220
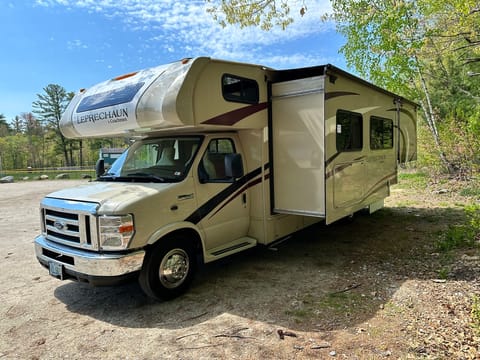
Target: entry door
224	204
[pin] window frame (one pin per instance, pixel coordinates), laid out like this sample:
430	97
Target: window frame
201	167
351	116
391	135
242	98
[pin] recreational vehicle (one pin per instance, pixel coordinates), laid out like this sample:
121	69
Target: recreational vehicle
226	156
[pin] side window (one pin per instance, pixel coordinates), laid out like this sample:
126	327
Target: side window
212	166
381	133
349	131
238	89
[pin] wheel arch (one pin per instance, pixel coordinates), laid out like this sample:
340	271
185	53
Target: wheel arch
184	229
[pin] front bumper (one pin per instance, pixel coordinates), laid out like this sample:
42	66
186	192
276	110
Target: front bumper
88	266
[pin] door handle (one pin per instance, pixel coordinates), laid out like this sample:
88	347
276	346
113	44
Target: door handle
185	197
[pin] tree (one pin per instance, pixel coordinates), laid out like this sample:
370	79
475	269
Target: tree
17	125
4	126
262	13
49	107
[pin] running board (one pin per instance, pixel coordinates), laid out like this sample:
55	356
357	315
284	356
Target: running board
230	248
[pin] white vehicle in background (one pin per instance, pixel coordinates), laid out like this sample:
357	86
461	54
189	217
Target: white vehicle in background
227	156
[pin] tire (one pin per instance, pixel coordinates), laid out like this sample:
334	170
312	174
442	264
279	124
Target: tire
168	268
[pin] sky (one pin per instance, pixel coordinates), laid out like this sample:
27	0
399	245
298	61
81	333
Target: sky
77	44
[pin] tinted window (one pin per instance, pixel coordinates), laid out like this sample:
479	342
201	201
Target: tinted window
238	89
381	133
349	131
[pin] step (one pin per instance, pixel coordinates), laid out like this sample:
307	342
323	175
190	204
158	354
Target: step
232	247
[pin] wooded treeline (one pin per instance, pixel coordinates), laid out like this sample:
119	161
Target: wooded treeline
33	139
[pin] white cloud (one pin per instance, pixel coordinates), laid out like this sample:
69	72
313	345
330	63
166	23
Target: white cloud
76	44
184	27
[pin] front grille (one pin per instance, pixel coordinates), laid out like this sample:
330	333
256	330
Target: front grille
70	222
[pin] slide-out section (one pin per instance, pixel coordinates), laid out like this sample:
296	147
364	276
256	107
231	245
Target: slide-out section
297	147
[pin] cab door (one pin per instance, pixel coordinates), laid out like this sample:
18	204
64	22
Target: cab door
223	202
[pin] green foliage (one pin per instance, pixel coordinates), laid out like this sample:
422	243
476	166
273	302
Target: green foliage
49	107
262	13
414	180
383	40
473	191
463	235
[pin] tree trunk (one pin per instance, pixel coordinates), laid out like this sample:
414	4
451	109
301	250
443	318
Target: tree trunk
65	150
81	152
432	125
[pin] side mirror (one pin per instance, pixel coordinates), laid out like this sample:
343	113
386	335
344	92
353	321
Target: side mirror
233	166
100	167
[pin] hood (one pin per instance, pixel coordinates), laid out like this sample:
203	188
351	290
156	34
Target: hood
112	196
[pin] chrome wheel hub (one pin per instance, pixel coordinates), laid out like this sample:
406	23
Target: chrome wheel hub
174	268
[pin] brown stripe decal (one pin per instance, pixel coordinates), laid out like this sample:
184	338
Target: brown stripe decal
232	117
239	192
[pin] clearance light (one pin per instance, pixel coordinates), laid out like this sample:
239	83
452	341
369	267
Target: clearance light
121	77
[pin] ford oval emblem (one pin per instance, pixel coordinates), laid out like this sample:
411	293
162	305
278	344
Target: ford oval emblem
60	225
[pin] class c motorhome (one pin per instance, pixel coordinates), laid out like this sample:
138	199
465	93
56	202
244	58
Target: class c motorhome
227	156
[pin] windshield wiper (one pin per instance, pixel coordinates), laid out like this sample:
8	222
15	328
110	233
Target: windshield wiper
107	176
145	176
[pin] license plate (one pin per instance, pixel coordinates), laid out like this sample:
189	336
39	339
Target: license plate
55	269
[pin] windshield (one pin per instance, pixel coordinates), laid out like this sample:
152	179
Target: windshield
165	159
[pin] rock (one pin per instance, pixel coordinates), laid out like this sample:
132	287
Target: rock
86	176
43	177
62	176
6	179
470	258
25	178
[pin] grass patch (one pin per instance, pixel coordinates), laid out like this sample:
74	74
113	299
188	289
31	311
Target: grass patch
443	273
463	235
470	191
415	180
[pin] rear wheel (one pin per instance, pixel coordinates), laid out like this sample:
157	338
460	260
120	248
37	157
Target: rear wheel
168	268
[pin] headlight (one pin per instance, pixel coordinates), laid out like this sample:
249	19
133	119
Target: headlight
115	231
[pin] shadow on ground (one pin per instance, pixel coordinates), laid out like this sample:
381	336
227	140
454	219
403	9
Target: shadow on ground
322	278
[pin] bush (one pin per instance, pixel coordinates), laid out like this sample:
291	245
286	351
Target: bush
463	235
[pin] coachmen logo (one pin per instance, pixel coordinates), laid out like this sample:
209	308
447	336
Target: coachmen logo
60	225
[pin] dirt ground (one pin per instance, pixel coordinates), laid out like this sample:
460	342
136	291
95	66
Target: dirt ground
371	288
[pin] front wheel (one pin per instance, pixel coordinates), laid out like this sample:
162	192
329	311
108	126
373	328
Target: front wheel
168	269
